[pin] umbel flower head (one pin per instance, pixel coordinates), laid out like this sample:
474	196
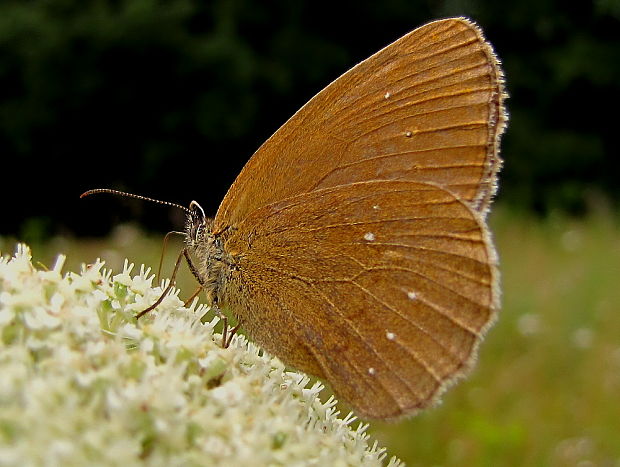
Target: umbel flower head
82	382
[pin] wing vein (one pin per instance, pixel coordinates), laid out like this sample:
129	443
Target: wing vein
435	78
440	285
415	325
415	356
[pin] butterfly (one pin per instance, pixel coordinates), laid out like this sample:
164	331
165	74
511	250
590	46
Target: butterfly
353	245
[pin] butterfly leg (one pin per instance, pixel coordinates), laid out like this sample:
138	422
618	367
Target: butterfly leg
193	296
165	292
227	335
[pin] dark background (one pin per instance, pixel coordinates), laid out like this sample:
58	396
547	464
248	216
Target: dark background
170	98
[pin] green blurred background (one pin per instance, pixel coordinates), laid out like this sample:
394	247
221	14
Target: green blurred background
170	99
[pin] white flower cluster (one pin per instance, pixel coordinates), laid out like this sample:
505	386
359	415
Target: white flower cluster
83	383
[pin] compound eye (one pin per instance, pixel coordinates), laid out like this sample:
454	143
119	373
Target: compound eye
196	221
197	210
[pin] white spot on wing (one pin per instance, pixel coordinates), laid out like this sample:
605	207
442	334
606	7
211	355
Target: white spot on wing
412	295
387	95
371	371
390	336
369	236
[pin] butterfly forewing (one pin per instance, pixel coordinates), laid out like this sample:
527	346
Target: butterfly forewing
389	286
426	108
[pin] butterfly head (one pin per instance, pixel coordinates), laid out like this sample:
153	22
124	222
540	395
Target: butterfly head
213	266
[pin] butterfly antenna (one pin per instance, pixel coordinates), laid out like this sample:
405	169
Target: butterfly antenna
131	195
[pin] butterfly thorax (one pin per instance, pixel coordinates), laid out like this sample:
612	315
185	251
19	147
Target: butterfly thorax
214	264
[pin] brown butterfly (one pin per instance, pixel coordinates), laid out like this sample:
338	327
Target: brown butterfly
353	244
